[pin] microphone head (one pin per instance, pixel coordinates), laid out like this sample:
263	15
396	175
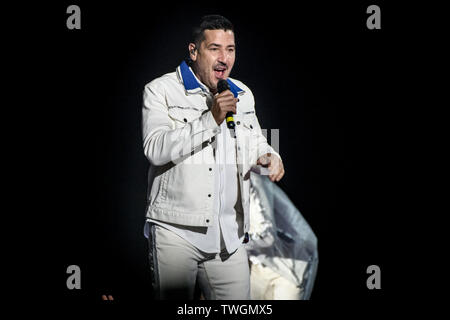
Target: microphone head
222	85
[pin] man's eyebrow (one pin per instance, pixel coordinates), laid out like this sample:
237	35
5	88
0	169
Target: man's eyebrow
218	45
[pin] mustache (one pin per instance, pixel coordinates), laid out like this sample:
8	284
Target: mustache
220	65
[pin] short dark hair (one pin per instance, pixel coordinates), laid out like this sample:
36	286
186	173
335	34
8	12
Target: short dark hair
210	22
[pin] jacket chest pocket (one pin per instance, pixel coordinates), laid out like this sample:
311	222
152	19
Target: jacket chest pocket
181	116
246	125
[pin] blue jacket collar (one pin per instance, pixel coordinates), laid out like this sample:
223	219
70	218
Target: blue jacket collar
192	85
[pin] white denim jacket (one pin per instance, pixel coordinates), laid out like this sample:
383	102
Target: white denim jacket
179	141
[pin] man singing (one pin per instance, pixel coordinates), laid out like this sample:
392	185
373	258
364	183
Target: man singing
198	182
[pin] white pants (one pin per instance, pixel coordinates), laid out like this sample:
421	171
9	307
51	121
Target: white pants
176	266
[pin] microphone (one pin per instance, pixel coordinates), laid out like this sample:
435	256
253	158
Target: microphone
223	85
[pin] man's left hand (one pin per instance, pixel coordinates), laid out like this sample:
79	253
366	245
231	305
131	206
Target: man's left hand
274	164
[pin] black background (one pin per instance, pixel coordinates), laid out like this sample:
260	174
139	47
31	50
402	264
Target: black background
331	86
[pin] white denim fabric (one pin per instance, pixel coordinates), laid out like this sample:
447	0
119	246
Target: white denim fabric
227	232
179	134
176	266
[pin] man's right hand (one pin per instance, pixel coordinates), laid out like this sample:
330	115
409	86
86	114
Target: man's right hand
223	103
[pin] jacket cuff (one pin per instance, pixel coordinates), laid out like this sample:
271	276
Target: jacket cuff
269	150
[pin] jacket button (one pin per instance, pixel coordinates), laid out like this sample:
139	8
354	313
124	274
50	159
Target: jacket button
210	169
238	123
185	120
207	220
251	127
209	195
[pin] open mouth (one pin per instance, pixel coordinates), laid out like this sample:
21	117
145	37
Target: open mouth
219	72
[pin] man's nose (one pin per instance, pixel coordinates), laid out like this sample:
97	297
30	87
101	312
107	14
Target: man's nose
223	57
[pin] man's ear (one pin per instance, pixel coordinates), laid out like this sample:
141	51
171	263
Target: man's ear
192	51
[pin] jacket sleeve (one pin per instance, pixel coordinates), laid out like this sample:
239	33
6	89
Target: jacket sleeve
162	141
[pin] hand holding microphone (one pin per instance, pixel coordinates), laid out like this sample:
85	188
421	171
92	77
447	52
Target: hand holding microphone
224	105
